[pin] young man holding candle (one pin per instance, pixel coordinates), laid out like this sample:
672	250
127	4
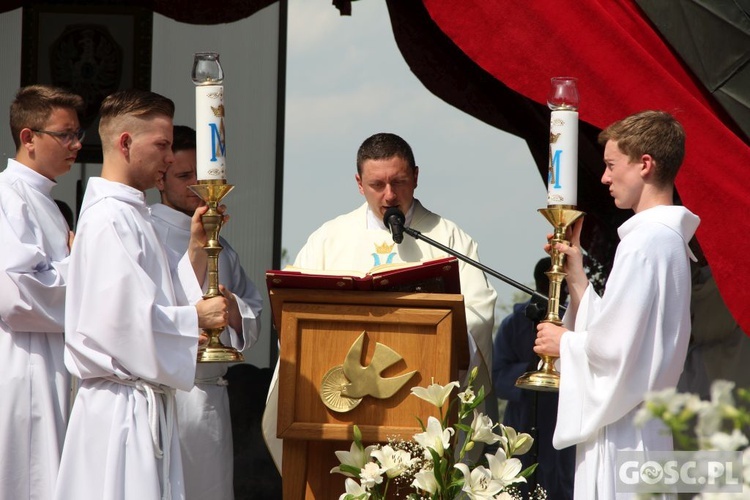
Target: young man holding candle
33	275
615	348
203	412
387	177
133	314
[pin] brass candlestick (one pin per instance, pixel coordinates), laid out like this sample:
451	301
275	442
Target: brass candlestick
211	192
547	378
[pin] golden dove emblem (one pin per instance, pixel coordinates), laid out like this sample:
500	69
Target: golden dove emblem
344	386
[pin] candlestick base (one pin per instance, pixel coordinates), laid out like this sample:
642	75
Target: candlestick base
216	352
546	379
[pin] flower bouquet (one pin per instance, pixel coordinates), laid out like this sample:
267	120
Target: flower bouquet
720	424
435	464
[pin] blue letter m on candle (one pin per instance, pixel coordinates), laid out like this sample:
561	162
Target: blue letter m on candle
556	167
217	142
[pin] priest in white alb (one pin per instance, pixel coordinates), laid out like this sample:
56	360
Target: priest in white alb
387	177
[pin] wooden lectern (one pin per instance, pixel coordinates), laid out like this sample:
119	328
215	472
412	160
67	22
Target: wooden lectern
317	328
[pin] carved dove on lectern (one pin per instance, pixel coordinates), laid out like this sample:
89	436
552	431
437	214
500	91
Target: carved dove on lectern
366	380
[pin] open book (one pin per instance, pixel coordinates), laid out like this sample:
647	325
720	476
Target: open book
432	276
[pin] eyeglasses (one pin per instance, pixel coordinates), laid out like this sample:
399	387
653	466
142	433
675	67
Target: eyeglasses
65	137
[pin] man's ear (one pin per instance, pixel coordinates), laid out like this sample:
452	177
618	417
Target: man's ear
648	165
26	135
416	175
160	183
359	183
123	143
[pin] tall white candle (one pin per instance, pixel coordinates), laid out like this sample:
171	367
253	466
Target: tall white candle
562	178
209	117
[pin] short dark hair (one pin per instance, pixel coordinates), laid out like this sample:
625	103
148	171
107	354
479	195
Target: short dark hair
137	103
132	103
184	138
34	104
656	133
383	146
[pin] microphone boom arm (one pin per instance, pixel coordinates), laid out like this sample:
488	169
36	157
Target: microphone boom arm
419	236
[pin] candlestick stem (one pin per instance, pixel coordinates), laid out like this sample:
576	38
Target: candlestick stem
547	378
212	192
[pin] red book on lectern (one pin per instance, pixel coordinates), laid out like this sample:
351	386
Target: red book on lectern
432	276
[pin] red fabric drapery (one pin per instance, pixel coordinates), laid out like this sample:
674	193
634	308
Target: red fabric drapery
623	66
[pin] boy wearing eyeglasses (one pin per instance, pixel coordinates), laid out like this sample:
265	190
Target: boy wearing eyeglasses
35	241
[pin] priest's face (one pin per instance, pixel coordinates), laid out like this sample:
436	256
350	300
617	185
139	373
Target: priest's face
623	176
150	151
387	183
175	185
55	146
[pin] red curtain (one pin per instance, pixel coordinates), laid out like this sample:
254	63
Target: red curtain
623	66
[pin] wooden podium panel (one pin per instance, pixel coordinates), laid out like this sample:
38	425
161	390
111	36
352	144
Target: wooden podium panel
317	329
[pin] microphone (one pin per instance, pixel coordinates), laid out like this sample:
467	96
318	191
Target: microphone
394	220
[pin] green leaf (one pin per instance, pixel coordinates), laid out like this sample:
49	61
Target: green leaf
463	427
350	469
421	424
528	471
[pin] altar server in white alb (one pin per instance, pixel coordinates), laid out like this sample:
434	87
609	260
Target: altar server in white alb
203	412
615	348
387	177
133	313
35	239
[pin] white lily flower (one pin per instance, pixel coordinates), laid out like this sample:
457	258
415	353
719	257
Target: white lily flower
482	427
505	470
467	397
355	489
394	462
709	423
434	437
425	481
727	442
355	457
478	483
371	474
435	394
721	393
668	401
515	443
